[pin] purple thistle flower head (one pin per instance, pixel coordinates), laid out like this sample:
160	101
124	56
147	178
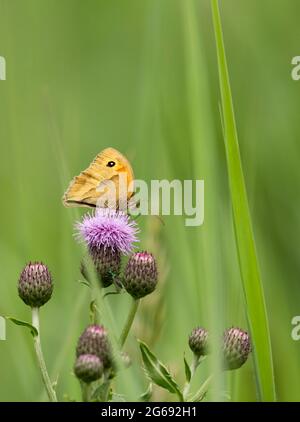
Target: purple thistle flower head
108	228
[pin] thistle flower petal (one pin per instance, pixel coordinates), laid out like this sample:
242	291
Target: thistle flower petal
108	228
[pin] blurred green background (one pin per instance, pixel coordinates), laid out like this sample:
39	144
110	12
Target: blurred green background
141	76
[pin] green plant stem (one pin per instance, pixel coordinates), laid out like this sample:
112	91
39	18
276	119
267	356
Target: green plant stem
180	397
107	380
202	390
40	357
86	391
128	324
194	366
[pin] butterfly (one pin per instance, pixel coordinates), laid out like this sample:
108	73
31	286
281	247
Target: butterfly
101	180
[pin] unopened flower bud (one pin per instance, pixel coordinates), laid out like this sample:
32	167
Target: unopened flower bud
35	285
198	341
236	348
94	341
88	368
107	262
140	277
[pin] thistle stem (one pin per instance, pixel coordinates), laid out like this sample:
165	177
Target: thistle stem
128	324
40	357
86	391
195	363
107	380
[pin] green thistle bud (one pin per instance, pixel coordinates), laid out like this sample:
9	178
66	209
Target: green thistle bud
94	341
198	341
140	277
107	264
88	368
35	285
236	348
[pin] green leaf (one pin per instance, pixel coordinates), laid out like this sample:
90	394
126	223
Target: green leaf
157	371
110	394
146	396
201	393
188	373
245	243
100	392
85	283
94	311
33	330
198	398
110	293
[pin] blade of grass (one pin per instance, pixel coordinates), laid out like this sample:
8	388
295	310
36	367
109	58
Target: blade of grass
252	284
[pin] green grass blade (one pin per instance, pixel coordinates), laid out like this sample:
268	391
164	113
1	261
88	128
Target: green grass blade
253	289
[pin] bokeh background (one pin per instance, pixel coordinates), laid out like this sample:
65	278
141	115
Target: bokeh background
141	76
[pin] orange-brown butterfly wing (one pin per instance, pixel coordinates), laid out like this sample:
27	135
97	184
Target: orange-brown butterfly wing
84	189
